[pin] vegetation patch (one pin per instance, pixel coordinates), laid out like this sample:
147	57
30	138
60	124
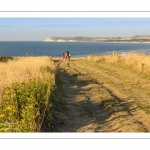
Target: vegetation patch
5	58
24	104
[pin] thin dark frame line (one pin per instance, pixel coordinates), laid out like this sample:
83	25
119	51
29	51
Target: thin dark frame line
74	11
79	138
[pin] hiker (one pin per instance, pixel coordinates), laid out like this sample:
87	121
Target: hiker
63	56
68	55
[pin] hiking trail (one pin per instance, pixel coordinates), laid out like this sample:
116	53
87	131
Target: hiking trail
93	104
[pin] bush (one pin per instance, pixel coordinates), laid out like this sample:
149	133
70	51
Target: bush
5	58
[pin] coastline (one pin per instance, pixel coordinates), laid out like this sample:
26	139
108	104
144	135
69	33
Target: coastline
96	42
129	39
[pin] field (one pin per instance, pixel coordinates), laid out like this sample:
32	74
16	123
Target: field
94	94
26	85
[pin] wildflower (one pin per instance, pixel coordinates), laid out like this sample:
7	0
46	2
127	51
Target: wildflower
30	107
29	99
31	96
2	115
9	107
2	130
22	121
6	129
18	91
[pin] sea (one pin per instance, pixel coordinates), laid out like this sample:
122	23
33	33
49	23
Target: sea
77	49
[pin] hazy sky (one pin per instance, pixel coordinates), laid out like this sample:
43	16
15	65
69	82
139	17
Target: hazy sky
37	29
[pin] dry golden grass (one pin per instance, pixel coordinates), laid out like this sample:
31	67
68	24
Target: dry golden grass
137	62
22	69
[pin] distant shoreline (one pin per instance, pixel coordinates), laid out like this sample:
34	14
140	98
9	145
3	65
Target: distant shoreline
95	42
129	39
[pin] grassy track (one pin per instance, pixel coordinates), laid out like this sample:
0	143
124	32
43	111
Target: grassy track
103	97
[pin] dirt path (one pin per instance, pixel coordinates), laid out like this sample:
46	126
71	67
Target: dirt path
94	105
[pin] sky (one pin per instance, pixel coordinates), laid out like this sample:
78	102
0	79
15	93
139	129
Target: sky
37	29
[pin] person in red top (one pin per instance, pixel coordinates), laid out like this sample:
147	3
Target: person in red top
63	56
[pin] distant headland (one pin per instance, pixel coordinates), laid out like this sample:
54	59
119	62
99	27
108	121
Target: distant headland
137	38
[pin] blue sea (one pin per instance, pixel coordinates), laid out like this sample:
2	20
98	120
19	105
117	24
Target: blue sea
77	49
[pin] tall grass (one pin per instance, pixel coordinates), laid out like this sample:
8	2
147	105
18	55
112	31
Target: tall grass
137	62
26	84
